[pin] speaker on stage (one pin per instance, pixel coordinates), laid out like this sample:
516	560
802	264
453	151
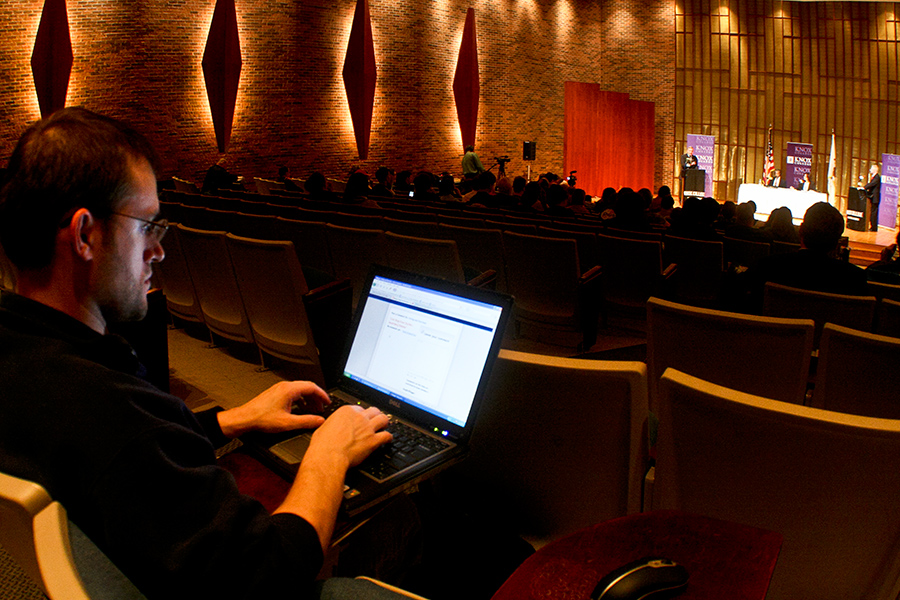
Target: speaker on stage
528	150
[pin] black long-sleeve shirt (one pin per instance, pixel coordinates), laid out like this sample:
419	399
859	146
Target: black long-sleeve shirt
134	468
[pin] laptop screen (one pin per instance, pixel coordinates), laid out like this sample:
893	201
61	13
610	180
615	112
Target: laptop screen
424	347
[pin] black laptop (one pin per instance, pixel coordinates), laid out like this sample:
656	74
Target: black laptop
421	350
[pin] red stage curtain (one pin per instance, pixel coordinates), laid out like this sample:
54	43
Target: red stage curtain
609	139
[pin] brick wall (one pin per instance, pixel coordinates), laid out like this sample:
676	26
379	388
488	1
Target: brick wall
140	61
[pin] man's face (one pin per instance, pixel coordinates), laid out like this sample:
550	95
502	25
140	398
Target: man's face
690	151
123	262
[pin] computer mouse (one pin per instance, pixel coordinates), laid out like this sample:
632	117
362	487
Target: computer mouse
649	578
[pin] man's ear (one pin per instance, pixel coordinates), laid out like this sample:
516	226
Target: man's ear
83	231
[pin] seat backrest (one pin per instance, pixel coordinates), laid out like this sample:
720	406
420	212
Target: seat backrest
888	322
885	290
554	465
349	219
542	274
858	373
272	287
7	273
310	242
700	269
745	253
479	248
432	257
259	227
631	269
588	255
856	312
209	264
34	530
422	229
826	481
353	252
498	223
175	277
766	356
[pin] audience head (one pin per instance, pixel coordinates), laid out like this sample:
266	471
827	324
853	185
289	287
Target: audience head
646	197
315	183
382	174
282	172
423	182
744	214
728	210
357	186
532	193
518	184
821	228
504	186
446	185
556	195
667	203
402	181
71	160
485	181
576	197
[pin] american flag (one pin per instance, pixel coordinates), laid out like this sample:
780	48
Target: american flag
769	165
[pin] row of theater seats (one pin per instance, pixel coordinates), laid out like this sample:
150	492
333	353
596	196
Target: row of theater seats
561	444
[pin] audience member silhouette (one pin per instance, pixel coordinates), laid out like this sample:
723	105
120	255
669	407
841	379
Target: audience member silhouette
318	188
744	227
814	266
385	178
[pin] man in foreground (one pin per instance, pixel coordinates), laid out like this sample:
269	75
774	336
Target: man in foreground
79	217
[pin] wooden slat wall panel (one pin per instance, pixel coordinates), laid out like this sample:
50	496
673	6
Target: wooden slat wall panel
805	68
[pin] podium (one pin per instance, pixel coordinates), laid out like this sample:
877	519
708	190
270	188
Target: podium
856	209
694	183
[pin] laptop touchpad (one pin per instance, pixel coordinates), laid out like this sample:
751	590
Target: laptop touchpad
291	451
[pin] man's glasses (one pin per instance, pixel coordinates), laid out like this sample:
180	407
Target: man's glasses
155	229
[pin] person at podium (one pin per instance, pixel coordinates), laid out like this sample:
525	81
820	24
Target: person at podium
873	194
688	161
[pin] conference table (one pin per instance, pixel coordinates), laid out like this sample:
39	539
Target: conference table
769	198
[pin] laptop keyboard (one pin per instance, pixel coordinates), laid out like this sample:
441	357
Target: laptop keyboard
408	447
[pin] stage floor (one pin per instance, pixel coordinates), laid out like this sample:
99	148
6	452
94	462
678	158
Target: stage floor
882	237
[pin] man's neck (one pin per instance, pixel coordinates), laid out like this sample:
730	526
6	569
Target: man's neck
65	302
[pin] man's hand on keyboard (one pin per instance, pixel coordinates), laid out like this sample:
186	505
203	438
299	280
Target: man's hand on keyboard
271	411
353	431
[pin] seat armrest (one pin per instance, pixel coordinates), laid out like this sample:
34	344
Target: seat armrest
592	274
669	271
486	279
324	291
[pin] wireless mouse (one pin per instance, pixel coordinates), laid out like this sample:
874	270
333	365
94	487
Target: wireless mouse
649	578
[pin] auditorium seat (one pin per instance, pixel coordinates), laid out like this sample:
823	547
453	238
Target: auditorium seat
260	227
357	221
424	229
497	222
212	273
480	249
272	289
766	356
701	269
826	481
175	277
558	444
857	312
632	272
353	252
588	254
885	290
888	318
744	253
460	221
858	373
432	257
310	241
555	300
